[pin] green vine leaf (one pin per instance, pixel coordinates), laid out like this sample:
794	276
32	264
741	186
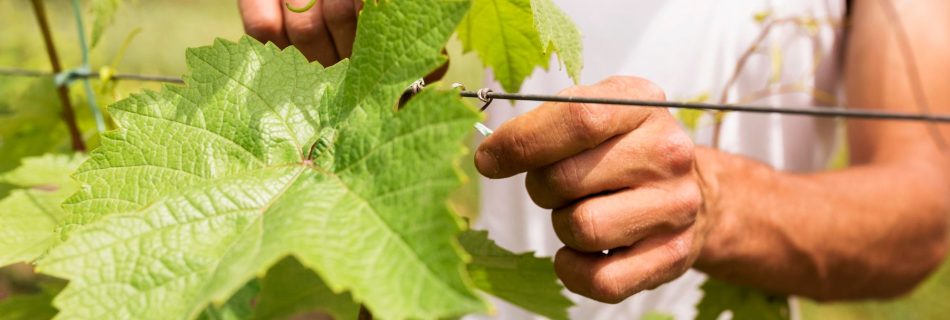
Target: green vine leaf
290	288
32	211
522	279
206	186
744	303
513	37
503	34
558	33
240	306
35	306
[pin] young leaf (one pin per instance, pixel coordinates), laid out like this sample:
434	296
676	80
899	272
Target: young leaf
558	32
744	303
290	288
103	12
32	211
522	279
514	37
503	34
205	186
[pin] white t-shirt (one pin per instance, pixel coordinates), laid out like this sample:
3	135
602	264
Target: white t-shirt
690	48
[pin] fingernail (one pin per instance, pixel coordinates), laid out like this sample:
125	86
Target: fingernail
486	163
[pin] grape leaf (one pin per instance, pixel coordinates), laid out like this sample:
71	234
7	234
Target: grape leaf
290	288
205	186
558	32
32	211
744	303
514	37
239	306
522	279
35	306
503	34
927	301
30	124
103	12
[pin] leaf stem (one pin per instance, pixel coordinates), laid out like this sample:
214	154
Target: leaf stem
68	115
301	9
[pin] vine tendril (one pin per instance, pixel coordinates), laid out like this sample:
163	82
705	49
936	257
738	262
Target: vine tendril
301	9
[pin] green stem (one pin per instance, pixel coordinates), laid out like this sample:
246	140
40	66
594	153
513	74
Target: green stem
301	9
90	94
68	115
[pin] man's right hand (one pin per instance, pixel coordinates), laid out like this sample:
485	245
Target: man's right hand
324	33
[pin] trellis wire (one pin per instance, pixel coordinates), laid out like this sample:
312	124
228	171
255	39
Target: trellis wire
805	111
92	74
489	95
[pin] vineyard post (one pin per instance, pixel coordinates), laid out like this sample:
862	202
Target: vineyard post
68	115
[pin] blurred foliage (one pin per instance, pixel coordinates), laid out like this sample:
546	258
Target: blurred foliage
742	303
931	300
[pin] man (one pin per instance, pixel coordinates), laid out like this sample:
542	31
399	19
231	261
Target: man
762	211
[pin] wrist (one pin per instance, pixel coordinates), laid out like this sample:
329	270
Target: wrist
708	171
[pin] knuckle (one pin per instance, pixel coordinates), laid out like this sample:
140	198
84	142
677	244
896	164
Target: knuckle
652	91
561	178
587	122
605	288
616	83
678	250
635	86
691	200
572	90
677	151
583	227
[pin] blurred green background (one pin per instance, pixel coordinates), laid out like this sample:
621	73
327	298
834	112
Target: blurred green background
29	106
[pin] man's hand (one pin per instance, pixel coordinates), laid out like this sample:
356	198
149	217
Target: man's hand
617	178
324	33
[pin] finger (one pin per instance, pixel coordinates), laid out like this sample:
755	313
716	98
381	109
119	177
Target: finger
308	32
650	153
626	217
264	20
555	131
614	277
340	17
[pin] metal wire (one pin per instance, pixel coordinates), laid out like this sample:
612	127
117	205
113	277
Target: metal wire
806	111
118	76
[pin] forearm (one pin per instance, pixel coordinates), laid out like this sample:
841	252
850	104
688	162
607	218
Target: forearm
864	232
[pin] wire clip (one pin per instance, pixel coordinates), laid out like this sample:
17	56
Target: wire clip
66	77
